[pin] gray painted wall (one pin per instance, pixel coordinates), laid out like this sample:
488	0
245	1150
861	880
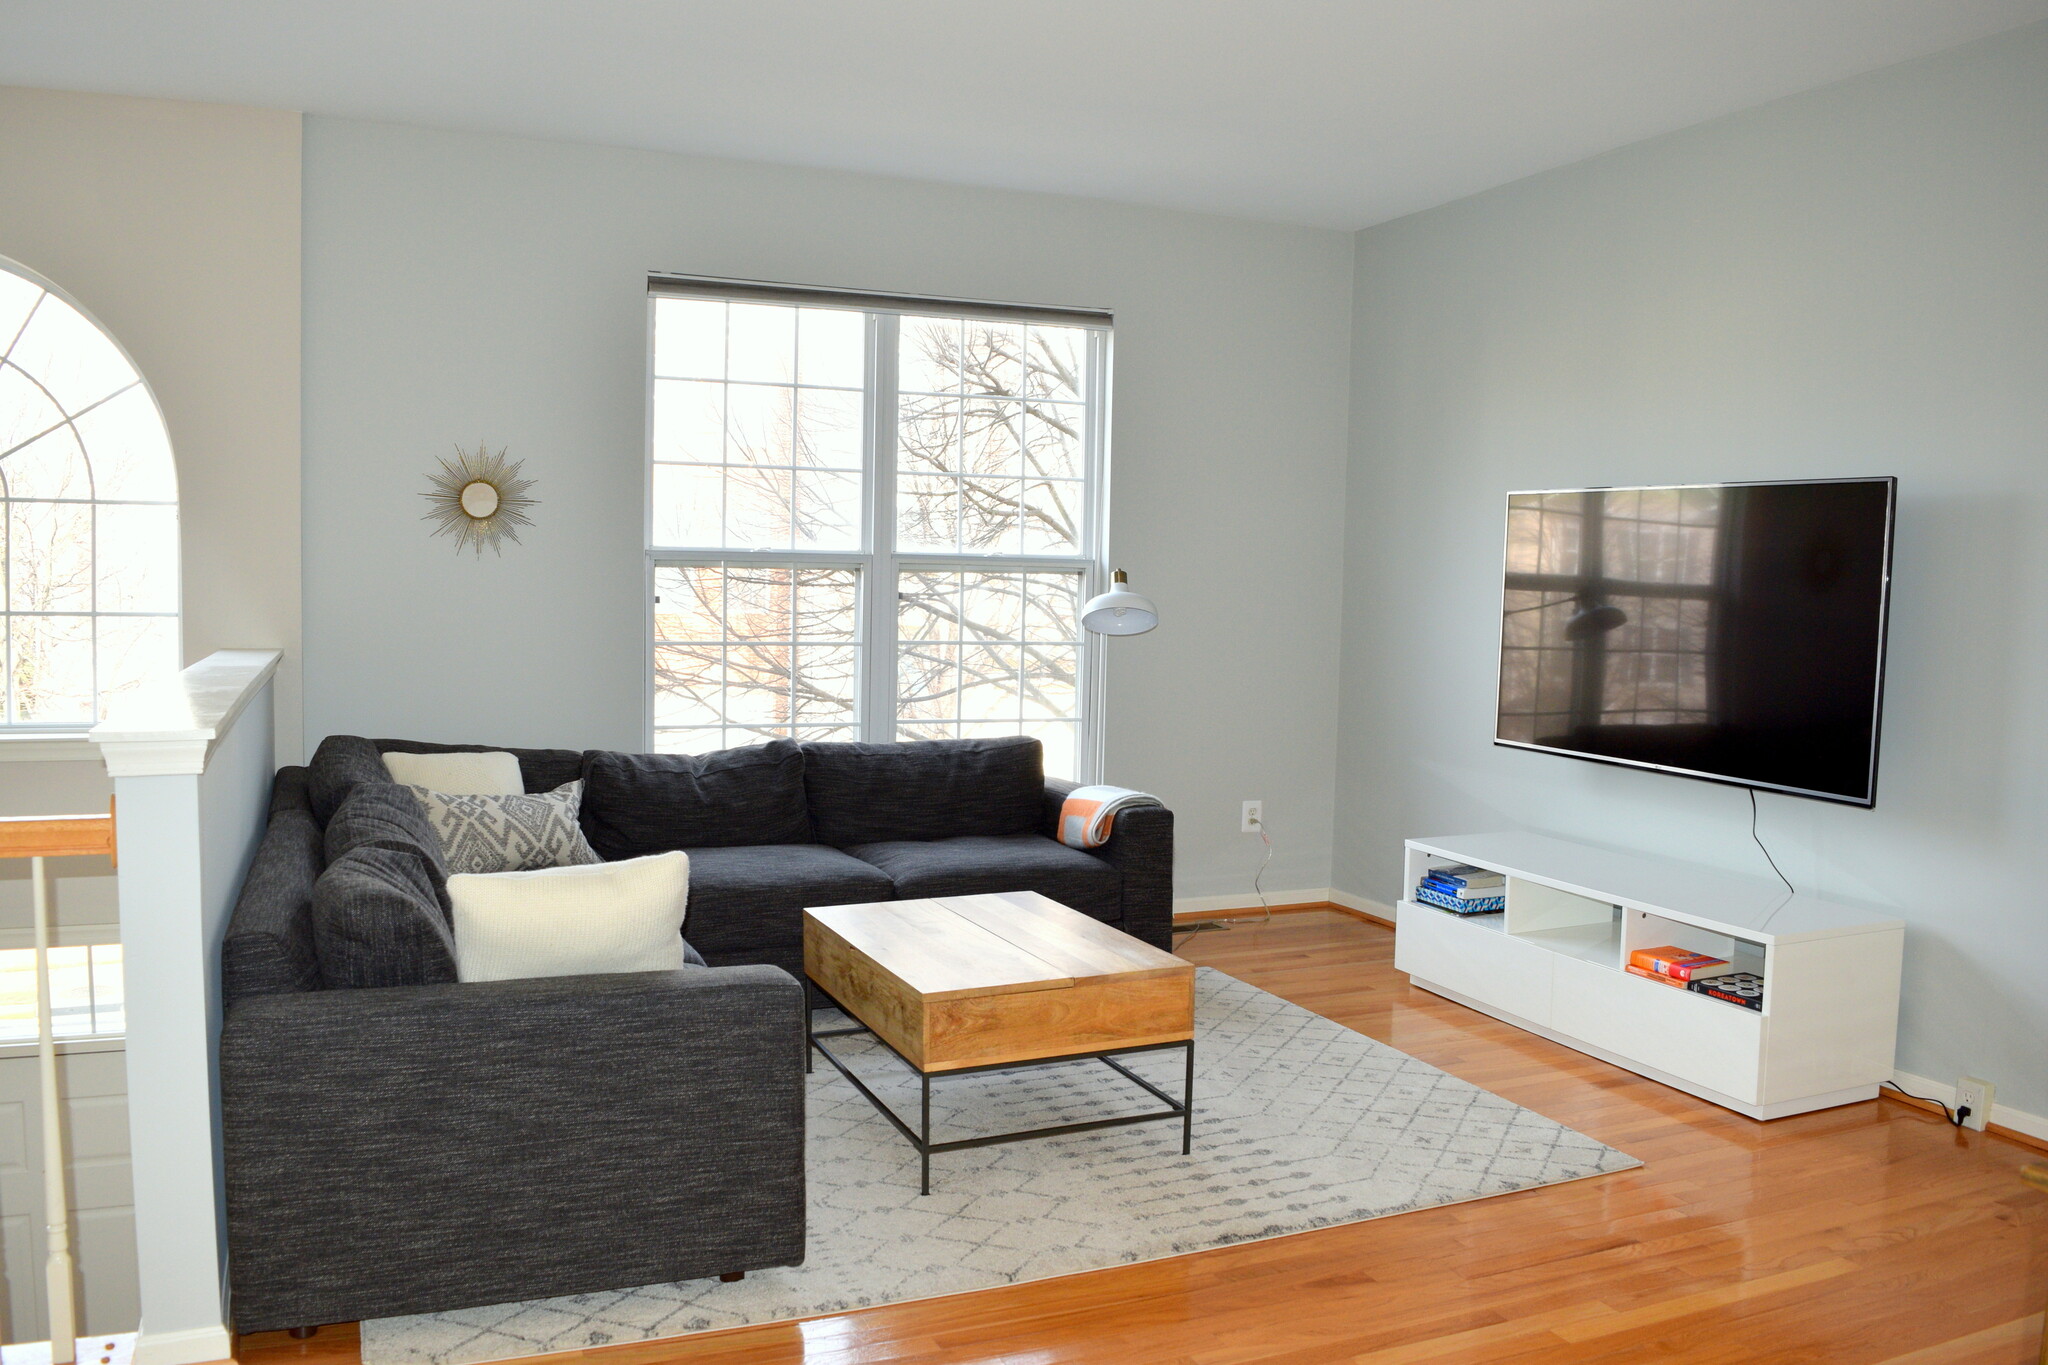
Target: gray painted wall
177	226
461	288
1851	281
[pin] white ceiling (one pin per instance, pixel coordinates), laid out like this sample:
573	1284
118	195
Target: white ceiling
1337	113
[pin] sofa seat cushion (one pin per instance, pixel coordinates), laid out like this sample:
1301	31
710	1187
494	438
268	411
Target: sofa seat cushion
979	864
637	804
747	903
924	789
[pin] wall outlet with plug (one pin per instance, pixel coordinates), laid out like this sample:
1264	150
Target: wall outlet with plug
1254	818
1975	1094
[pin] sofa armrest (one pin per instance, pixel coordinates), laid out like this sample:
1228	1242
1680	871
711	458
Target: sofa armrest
1141	847
420	1148
1056	793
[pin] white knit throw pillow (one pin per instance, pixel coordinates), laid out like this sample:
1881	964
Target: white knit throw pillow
488	774
572	921
508	833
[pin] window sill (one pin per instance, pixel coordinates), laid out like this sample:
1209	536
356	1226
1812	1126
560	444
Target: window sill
34	746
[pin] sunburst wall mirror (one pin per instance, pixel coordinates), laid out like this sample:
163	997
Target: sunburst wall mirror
479	499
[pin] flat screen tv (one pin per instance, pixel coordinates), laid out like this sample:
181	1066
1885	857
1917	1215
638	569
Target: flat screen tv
1733	632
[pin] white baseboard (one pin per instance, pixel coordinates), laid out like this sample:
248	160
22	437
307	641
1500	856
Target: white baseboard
193	1346
1191	905
1366	905
2033	1125
1195	905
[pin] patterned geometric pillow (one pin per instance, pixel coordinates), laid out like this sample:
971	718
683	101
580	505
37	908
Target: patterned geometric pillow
508	833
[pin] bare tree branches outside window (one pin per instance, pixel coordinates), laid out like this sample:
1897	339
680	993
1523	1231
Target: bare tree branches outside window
760	418
88	516
747	654
989	437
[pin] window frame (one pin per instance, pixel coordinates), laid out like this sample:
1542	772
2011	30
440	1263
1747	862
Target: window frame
23	735
878	564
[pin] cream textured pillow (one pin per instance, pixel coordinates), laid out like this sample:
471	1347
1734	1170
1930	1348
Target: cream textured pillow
491	774
571	921
508	833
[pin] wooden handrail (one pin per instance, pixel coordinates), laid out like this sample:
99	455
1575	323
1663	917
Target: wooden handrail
57	836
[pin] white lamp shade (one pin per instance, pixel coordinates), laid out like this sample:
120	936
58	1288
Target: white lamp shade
1120	611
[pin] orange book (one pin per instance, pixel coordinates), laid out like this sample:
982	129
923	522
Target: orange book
1657	976
1678	963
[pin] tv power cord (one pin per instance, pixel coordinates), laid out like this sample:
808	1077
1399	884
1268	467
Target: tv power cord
1211	926
1758	839
1955	1116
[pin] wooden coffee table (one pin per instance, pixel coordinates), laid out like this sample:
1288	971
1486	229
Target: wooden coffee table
987	983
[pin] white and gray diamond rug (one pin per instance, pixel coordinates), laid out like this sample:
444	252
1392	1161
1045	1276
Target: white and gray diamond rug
1300	1123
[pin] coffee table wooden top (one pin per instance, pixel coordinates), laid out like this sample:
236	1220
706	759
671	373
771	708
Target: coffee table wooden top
977	980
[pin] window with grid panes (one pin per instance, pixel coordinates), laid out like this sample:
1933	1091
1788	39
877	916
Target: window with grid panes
872	519
88	516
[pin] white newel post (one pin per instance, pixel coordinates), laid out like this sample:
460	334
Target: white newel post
192	767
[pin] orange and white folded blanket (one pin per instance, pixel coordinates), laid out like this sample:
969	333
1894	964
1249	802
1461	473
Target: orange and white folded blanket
1087	813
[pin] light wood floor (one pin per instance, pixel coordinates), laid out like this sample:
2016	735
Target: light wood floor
1870	1233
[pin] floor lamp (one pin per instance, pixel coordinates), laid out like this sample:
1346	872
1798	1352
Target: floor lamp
1123	612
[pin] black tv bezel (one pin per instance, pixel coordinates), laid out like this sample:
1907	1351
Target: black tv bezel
1884	614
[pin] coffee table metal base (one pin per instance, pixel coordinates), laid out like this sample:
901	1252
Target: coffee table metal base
921	1136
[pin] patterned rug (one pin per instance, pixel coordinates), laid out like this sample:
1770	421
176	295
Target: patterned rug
1300	1123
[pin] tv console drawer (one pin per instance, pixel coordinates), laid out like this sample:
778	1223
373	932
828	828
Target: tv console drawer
1474	960
1690	1036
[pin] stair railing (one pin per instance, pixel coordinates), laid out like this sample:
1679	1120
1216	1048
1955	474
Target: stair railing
37	838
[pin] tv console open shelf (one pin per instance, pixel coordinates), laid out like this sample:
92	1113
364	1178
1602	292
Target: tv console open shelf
1554	963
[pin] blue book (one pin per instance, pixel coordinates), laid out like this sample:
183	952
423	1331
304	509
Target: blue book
1454	889
1465	875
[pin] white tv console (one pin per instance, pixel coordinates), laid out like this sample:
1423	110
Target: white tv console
1553	963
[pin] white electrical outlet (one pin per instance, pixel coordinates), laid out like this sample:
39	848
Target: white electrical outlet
1977	1093
1254	817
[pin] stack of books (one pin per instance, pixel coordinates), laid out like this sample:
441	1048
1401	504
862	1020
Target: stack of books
1702	973
1464	890
1677	966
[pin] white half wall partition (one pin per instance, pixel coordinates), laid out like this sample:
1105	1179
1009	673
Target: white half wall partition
192	762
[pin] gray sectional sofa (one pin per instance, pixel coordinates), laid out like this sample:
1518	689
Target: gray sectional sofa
397	1142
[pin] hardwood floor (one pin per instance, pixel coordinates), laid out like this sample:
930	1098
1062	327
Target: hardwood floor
1871	1233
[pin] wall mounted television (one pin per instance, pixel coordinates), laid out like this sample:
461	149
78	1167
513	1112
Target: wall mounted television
1733	632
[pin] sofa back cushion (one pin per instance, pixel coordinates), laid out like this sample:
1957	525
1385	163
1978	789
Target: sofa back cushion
926	789
383	815
637	804
268	948
379	919
336	767
342	761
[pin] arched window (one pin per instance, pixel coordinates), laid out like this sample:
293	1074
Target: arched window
89	538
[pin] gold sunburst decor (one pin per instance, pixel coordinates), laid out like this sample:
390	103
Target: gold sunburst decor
479	499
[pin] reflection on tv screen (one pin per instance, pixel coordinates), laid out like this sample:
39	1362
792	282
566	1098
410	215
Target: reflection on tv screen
1731	631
